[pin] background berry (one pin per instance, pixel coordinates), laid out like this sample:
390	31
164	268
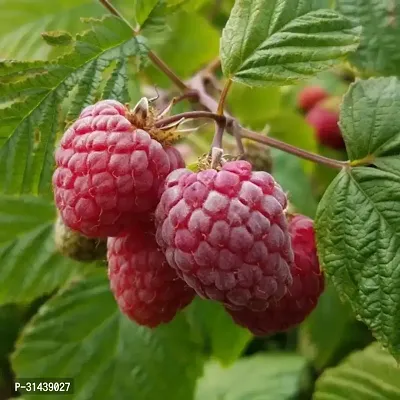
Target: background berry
76	246
108	172
302	295
226	234
146	288
324	120
310	96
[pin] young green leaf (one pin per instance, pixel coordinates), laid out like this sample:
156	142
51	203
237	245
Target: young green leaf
30	124
22	23
378	53
81	333
283	41
30	266
358	219
266	377
368	375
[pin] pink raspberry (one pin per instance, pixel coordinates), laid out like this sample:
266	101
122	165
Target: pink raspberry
325	122
108	172
146	288
310	96
302	295
226	234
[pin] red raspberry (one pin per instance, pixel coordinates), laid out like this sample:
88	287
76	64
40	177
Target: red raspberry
303	294
310	96
146	288
325	122
108	172
226	234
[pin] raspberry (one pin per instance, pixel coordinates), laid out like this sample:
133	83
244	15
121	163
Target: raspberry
146	288
325	122
108	172
302	295
226	234
310	96
76	246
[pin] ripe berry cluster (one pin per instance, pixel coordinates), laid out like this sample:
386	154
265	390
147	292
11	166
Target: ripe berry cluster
222	234
322	113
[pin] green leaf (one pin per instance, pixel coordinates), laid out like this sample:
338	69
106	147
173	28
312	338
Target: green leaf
266	377
371	124
366	375
284	41
57	38
288	171
81	333
30	267
358	235
328	330
30	125
22	23
224	339
378	53
117	85
358	228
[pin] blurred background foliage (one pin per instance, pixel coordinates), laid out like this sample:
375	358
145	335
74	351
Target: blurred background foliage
58	318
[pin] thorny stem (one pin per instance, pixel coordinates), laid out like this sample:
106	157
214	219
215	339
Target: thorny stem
224	94
153	57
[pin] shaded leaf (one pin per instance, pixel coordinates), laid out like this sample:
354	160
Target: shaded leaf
81	333
378	53
30	266
266	377
366	375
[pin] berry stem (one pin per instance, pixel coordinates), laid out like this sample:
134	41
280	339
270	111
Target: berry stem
219	133
160	64
224	94
233	127
190	115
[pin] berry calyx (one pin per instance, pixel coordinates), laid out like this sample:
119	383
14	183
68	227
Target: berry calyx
226	234
146	288
324	119
109	172
310	96
76	246
303	294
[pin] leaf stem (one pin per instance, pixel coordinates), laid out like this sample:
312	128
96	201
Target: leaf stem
152	56
224	94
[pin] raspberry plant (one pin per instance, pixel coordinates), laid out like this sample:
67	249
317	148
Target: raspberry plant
215	272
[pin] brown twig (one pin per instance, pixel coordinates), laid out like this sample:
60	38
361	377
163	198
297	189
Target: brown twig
180	84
